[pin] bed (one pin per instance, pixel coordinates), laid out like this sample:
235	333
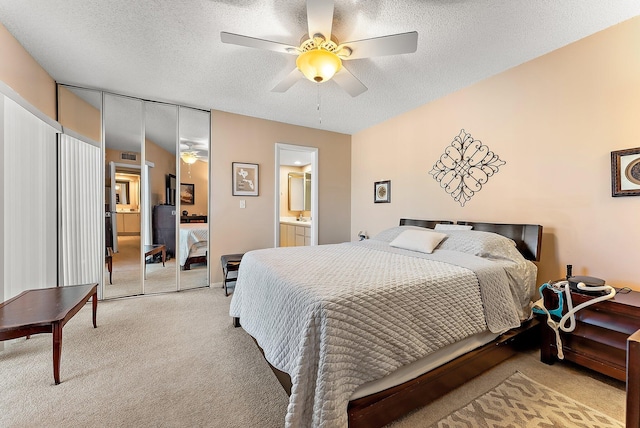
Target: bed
346	327
194	244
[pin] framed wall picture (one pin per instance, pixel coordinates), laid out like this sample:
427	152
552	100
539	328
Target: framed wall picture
382	191
187	194
245	179
625	172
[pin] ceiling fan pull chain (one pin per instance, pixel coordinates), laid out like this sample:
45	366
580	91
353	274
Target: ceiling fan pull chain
319	110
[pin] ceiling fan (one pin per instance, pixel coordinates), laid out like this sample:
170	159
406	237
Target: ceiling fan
320	55
190	153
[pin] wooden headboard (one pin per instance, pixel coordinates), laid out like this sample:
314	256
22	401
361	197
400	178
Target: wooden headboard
528	237
429	224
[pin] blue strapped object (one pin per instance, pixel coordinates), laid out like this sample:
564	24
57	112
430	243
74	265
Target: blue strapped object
559	292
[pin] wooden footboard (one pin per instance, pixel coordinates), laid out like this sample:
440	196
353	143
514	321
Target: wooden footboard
633	381
192	260
379	409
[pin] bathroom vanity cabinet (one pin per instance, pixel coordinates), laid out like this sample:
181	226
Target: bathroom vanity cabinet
295	235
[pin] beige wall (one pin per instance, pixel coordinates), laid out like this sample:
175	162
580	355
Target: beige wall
24	75
196	174
77	114
236	138
164	163
554	120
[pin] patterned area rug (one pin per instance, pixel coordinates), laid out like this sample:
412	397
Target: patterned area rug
522	402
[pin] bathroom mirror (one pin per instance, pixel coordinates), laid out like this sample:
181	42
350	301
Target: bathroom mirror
122	192
299	191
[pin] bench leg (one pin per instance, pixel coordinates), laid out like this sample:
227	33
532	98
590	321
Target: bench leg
57	350
94	307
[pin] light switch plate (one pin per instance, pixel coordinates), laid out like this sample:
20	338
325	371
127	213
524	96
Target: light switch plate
243	203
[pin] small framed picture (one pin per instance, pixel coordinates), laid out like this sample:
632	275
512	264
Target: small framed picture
187	194
382	191
625	172
245	179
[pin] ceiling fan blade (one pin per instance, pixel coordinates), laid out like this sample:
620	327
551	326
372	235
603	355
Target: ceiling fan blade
320	17
288	81
349	82
386	45
252	42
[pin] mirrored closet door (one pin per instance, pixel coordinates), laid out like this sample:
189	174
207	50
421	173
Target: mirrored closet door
123	154
154	166
193	198
160	220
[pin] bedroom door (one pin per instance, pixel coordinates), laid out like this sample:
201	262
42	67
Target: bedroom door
296	194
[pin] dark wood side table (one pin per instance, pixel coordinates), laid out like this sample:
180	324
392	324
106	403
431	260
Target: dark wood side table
633	381
45	310
599	340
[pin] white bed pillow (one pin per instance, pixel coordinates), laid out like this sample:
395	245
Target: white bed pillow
482	244
423	241
392	233
441	226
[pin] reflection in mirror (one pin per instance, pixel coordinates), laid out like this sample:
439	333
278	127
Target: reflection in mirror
193	203
123	157
161	137
122	192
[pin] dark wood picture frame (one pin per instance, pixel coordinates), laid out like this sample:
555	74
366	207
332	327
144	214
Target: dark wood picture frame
245	179
625	172
382	192
187	194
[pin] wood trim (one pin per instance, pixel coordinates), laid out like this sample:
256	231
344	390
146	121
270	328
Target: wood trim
633	381
429	224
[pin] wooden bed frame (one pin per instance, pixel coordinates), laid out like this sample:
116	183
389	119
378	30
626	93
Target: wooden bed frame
193	260
381	408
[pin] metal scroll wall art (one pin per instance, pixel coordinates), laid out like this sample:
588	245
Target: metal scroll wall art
464	167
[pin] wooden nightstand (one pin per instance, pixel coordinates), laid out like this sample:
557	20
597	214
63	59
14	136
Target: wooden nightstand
599	340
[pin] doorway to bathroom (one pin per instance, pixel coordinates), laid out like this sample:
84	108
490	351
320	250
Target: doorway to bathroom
296	196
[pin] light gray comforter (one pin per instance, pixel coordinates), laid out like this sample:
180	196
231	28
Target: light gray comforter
337	316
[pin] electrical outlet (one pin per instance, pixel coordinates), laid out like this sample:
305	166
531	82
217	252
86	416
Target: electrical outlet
243	203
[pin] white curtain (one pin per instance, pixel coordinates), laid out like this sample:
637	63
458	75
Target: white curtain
29	254
81	216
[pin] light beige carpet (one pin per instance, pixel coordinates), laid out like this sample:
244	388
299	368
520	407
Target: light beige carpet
174	360
127	274
520	402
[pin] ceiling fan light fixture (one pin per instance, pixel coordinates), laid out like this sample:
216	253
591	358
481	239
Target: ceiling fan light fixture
318	65
189	158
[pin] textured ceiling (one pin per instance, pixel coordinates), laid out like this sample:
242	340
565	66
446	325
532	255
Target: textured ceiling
171	50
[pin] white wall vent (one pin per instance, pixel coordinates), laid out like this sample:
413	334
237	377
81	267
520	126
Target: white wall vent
128	156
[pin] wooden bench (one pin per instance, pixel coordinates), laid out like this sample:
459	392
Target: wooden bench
45	310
